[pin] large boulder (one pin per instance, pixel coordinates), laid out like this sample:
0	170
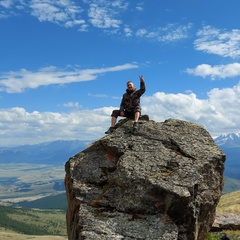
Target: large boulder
162	182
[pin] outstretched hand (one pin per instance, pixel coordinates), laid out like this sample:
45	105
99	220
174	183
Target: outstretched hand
141	78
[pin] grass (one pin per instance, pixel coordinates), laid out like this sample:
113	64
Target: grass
233	235
33	222
51	202
9	235
229	203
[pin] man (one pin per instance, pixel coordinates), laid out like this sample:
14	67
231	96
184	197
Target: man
130	105
224	237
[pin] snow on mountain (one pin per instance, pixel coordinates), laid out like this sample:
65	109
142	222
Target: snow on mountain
228	140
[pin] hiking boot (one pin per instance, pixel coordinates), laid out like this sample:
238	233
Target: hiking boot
135	126
110	130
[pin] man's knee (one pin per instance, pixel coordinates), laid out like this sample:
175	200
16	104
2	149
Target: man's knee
115	113
137	109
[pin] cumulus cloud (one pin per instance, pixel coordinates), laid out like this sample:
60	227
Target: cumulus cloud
17	82
34	127
215	41
216	72
218	113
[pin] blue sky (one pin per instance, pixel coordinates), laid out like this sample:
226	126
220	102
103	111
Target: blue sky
65	63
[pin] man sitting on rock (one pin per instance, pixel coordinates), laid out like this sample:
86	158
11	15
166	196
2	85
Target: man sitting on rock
130	105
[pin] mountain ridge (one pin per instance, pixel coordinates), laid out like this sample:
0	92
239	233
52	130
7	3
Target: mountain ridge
54	152
230	145
228	140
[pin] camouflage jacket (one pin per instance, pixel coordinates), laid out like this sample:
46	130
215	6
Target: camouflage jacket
131	99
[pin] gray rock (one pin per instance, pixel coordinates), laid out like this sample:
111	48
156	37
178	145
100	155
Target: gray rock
162	182
226	221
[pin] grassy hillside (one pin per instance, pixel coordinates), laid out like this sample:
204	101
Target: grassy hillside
33	222
230	185
51	202
229	203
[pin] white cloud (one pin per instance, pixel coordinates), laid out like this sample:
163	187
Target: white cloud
139	6
120	4
71	105
70	13
103	17
108	15
141	32
66	13
16	82
216	72
58	12
97	95
169	33
19	126
219	42
219	113
6	3
128	31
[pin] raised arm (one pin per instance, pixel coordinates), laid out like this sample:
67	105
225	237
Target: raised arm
142	86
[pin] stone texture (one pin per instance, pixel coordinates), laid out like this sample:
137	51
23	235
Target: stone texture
226	221
162	182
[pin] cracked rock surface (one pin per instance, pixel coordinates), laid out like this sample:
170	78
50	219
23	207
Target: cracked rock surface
162	182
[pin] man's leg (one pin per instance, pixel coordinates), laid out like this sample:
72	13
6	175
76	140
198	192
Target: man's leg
113	121
136	116
115	114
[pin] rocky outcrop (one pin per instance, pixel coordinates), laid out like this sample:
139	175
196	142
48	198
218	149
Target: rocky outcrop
226	221
162	182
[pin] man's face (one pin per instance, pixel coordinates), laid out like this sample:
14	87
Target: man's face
130	86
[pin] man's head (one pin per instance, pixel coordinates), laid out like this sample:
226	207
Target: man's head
130	86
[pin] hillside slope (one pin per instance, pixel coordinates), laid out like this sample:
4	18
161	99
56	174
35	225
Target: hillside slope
229	203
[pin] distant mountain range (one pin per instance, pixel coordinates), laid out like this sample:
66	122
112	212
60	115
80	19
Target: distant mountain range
230	145
230	140
53	153
58	152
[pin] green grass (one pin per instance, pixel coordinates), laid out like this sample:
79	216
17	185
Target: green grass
33	222
231	185
233	235
229	203
52	202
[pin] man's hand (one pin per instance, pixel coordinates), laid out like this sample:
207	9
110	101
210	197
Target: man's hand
141	78
122	113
